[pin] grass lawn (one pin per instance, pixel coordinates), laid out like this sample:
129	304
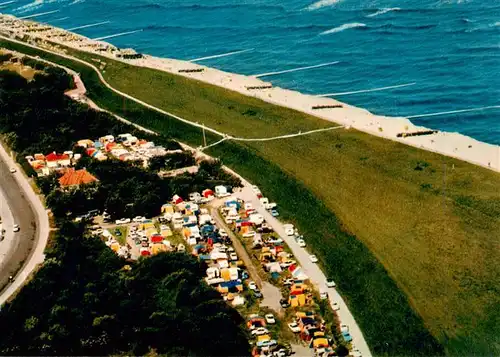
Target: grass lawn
410	237
122	238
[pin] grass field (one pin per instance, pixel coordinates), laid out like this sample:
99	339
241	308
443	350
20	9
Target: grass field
400	229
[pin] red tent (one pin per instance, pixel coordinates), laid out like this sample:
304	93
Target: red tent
156	238
145	253
177	199
207	193
55	157
109	146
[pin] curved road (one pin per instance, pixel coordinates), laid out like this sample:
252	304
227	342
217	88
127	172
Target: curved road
20	205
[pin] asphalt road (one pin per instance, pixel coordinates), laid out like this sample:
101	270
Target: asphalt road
16	247
312	270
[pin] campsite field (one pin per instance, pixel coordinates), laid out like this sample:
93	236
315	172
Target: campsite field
400	229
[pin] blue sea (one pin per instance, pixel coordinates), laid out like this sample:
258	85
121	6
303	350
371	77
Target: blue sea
447	51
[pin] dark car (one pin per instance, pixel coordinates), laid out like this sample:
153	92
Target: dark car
257	293
118	233
284	303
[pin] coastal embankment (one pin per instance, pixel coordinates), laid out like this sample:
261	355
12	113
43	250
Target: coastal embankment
394	128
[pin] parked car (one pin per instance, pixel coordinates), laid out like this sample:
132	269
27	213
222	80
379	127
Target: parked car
252	285
139	219
16	228
284	303
301	243
313	258
294	327
118	233
280	353
347	336
275	213
335	306
259	331
344	328
122	221
257	293
289	229
233	256
270	319
288	282
223	233
12	170
330	283
323	295
256	190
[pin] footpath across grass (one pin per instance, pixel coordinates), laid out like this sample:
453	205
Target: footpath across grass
414	235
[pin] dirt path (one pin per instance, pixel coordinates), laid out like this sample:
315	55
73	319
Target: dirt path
238	247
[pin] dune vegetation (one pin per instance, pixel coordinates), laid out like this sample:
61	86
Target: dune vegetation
411	237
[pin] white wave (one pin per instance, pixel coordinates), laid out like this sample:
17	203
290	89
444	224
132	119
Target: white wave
321	3
383	11
76	2
496	24
343	27
31	6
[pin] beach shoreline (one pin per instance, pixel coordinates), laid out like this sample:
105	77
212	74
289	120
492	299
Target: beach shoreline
398	129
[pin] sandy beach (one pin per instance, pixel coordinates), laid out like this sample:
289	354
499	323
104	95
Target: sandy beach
394	128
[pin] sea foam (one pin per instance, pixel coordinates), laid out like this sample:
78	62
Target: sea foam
383	11
343	27
320	4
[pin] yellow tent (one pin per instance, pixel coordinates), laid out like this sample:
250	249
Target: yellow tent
297	300
115	246
265	337
320	342
167	208
158	248
166	232
225	274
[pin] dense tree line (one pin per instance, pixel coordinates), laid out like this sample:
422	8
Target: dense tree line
85	300
36	117
171	161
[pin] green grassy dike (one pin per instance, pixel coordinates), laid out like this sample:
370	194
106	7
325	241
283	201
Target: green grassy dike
391	196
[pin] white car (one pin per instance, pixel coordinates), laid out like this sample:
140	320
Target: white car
259	331
122	221
344	328
294	327
256	190
313	258
270	319
12	170
330	283
233	256
223	233
335	306
301	243
16	228
323	295
252	285
289	229
139	219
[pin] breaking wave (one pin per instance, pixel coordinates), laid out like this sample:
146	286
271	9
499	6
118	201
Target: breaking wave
321	3
384	11
343	27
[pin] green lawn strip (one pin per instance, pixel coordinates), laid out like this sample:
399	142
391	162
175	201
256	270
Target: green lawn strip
401	189
122	238
381	309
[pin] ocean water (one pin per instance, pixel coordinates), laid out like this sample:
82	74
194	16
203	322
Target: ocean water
449	49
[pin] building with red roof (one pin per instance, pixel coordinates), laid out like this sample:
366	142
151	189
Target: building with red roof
74	177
